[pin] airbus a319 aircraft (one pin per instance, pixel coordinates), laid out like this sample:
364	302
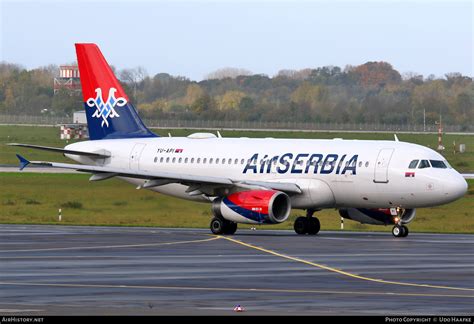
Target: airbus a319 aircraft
254	181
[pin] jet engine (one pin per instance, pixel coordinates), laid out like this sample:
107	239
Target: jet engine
253	207
377	216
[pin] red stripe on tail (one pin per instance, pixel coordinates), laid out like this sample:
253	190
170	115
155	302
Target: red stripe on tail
96	73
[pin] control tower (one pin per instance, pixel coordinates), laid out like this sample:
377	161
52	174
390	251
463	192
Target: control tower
68	79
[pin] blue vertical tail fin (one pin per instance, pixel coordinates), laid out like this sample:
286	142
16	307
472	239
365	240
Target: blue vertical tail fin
109	113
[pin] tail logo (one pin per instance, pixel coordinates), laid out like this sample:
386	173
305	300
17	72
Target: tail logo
106	109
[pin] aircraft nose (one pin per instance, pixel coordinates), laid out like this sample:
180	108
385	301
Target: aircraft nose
455	187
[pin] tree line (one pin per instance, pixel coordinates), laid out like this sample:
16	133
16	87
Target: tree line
373	92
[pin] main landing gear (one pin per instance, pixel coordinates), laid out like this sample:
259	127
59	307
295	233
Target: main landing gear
220	226
307	225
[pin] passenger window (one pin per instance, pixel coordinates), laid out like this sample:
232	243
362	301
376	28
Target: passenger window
179	160
424	164
242	161
186	160
198	160
161	159
210	160
217	161
438	164
174	160
167	160
413	164
204	160
192	160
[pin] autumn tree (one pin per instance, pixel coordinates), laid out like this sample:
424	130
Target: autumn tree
228	72
376	74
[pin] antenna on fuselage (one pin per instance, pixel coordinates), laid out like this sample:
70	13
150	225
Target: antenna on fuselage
396	138
169	134
219	134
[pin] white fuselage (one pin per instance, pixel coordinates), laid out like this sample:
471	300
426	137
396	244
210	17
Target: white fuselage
331	173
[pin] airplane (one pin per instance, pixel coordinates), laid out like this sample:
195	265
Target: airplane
253	181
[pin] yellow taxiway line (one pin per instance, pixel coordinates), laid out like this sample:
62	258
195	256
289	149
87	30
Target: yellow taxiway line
342	272
100	247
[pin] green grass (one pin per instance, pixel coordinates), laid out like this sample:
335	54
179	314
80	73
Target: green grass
32	198
49	136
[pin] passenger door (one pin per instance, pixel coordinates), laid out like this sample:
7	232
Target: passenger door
381	165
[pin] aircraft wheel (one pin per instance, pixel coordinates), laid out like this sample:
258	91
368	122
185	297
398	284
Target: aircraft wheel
313	225
398	231
300	226
230	228
405	231
218	226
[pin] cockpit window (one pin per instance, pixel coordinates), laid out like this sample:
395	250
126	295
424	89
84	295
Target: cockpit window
438	164
424	164
447	164
413	164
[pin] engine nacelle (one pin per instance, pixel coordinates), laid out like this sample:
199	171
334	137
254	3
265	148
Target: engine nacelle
254	207
377	216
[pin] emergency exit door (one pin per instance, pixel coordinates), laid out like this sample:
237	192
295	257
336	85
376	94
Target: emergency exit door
381	165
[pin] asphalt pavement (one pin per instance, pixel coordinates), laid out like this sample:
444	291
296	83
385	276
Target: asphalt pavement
75	270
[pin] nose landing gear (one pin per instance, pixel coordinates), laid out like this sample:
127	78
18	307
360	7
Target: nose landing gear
399	230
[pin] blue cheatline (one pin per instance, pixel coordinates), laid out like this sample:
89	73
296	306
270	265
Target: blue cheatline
247	213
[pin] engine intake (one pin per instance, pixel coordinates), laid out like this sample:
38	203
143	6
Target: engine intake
254	207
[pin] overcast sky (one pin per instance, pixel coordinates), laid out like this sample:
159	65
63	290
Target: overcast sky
193	38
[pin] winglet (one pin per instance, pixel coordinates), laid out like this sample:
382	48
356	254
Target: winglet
23	162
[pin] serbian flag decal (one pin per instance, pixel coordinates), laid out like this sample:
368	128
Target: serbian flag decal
409	174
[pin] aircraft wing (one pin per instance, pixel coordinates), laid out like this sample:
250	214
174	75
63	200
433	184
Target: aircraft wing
157	178
468	175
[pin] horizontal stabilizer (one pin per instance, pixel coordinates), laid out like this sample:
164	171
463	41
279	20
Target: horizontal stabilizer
64	151
23	162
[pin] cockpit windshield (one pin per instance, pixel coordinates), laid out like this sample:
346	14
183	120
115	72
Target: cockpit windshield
424	164
438	164
413	164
